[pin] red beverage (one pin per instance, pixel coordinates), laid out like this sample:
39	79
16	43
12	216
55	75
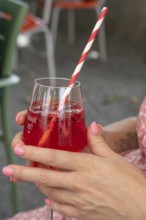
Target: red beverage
52	129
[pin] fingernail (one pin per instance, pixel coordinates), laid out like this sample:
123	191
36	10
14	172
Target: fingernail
11	179
7	171
47	201
17	117
18	150
96	128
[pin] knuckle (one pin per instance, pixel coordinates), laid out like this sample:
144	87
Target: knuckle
98	141
50	193
19	172
42	178
80	202
76	183
51	156
59	208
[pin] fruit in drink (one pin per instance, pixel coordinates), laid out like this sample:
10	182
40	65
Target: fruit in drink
48	128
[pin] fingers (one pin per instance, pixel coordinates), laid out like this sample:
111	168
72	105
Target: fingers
51	178
64	209
50	157
60	195
20	117
16	180
18	139
97	143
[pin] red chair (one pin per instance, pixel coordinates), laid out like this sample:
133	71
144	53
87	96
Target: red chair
71	6
34	25
5	15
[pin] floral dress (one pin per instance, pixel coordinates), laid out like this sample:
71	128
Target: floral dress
136	156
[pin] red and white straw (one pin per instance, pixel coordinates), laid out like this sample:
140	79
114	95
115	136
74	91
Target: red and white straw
84	55
76	72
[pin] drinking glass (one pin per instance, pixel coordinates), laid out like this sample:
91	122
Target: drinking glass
49	126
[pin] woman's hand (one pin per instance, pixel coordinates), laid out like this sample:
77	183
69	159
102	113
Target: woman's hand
120	135
89	186
20	117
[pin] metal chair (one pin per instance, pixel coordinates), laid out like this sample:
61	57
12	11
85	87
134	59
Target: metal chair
9	30
71	6
34	25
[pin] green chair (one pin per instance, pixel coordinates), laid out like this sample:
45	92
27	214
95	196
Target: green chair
9	30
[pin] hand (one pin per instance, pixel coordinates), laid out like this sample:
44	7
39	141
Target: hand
94	187
20	117
20	120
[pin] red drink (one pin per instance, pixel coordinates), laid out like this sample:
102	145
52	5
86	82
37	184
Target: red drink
63	131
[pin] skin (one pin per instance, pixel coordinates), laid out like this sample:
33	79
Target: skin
97	186
121	135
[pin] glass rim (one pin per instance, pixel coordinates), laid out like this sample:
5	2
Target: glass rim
76	84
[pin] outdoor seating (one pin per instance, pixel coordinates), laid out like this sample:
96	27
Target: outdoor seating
10	29
35	25
71	6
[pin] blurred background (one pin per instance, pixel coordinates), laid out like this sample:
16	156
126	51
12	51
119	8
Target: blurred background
113	87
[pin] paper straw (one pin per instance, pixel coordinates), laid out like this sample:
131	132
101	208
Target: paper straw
83	56
76	72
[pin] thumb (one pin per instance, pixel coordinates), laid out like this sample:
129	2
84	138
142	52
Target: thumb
96	141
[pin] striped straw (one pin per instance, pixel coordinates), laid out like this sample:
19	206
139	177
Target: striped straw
83	56
75	73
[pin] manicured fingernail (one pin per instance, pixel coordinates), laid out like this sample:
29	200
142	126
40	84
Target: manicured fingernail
11	179
96	128
47	201
18	150
7	171
17	117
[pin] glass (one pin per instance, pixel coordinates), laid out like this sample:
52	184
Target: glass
47	125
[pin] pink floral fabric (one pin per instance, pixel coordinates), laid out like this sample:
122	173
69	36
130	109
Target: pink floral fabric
41	213
136	157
